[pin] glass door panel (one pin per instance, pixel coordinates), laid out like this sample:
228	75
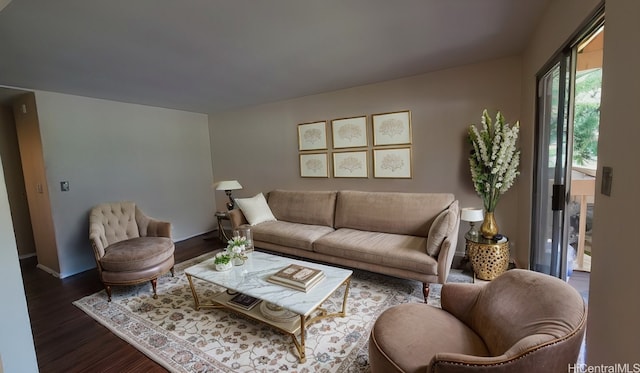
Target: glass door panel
549	237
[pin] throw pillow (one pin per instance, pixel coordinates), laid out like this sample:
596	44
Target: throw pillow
439	229
255	209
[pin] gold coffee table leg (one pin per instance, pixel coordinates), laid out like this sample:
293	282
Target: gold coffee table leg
196	299
300	345
194	293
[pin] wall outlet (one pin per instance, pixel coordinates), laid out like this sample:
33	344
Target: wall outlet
64	186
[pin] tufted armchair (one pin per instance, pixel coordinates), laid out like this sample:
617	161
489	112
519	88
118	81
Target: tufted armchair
129	246
523	321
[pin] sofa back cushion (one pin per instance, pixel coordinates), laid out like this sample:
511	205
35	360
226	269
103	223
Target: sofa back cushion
390	212
306	207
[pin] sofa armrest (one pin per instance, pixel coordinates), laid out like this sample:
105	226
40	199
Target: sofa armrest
445	259
237	218
448	252
447	249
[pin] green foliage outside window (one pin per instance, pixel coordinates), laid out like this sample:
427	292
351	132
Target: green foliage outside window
586	117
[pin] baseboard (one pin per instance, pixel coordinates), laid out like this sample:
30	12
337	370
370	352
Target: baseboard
196	235
49	271
26	256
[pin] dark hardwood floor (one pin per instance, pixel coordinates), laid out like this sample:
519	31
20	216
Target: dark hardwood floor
66	339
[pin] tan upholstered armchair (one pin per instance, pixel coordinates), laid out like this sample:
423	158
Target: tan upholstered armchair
129	246
523	321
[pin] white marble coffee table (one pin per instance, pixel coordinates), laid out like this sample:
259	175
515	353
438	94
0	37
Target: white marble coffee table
251	279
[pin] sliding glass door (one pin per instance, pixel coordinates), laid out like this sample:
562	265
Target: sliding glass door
554	161
550	233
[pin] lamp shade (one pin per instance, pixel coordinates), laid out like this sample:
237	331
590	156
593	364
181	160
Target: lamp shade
471	214
228	185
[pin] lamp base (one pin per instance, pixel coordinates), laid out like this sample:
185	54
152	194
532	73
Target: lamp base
232	203
473	233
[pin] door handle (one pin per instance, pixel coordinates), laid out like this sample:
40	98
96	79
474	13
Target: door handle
558	198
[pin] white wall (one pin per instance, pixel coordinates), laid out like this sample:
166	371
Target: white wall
258	146
109	151
613	330
17	351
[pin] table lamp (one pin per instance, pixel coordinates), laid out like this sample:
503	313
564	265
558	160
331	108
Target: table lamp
228	186
472	215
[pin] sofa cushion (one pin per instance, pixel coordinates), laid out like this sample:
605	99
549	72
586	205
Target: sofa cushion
306	207
136	253
255	209
387	249
399	213
442	225
285	233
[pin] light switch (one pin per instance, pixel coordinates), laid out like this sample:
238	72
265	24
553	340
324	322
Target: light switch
64	186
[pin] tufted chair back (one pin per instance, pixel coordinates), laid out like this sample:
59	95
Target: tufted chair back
116	221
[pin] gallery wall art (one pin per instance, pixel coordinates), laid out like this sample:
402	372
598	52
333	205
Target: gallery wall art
392	128
312	136
314	165
350	164
349	132
351	152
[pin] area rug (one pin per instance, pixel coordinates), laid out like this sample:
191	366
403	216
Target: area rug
172	333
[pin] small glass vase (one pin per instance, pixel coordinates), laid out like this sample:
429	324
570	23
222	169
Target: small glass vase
238	261
221	267
489	227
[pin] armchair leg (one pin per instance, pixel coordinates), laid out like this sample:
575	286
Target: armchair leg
108	289
154	285
173	272
425	291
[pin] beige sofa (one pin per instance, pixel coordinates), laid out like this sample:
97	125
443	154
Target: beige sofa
407	235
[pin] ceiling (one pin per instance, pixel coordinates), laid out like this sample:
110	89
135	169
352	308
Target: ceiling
217	55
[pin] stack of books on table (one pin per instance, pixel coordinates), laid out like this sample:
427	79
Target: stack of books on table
297	277
243	301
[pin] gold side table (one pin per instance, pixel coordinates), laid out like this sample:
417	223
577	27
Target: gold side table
489	258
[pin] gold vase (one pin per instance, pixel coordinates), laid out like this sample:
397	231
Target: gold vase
489	228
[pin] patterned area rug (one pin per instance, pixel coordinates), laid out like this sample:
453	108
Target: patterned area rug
172	333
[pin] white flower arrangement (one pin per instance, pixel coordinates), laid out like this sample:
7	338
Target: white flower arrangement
222	257
235	250
494	159
236	247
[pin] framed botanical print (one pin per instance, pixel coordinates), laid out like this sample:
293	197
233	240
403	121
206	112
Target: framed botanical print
392	163
312	136
314	165
349	132
350	164
391	128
